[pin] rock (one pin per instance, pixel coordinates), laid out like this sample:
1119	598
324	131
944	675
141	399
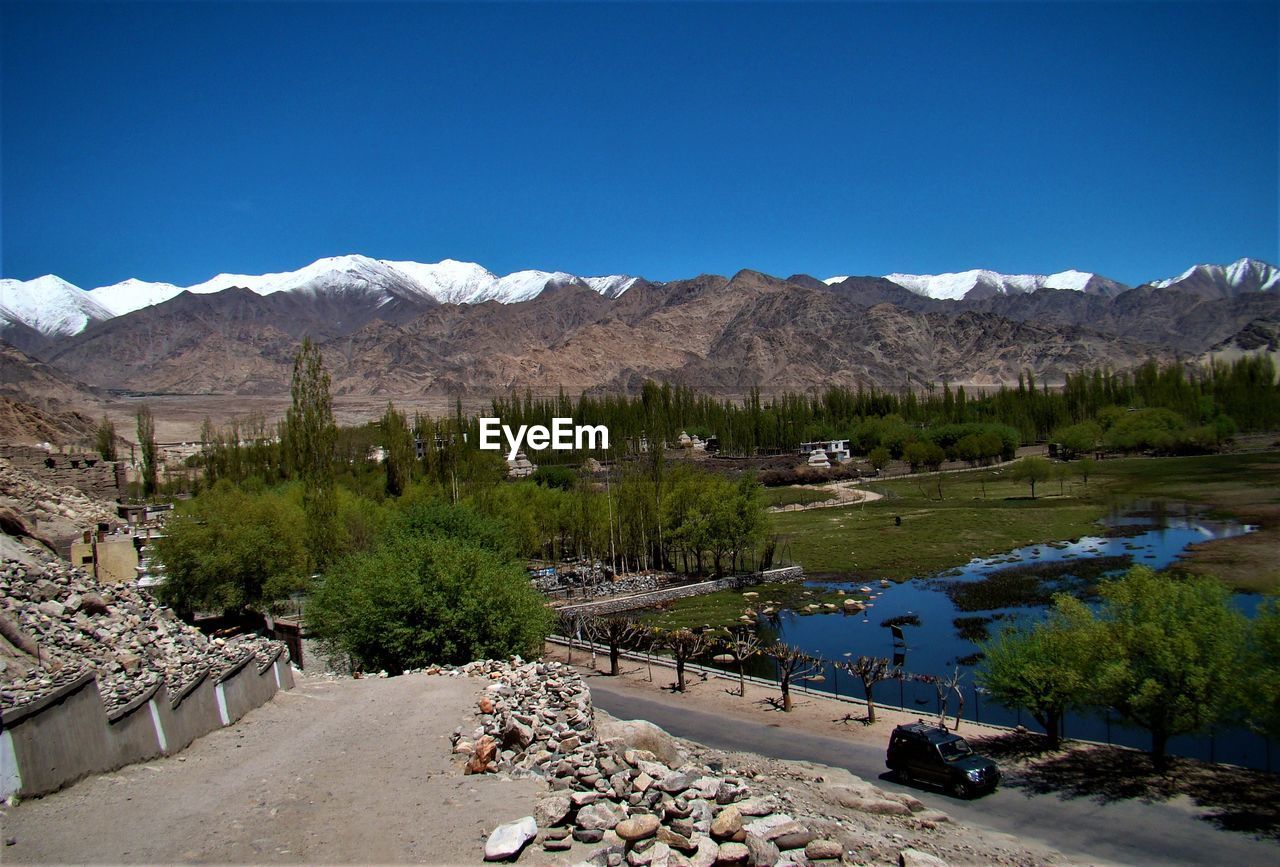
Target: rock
517	734
557	845
866	800
600	816
588	835
764	826
486	705
508	840
552	810
657	855
916	858
792	835
642	782
760	852
680	842
733	853
637	827
581	799
758	806
727	825
823	850
643	735
486	751
707	853
935	816
674	784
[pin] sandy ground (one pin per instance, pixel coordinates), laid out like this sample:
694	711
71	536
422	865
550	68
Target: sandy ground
354	771
813	712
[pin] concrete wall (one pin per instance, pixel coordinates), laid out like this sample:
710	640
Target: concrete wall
68	735
656	597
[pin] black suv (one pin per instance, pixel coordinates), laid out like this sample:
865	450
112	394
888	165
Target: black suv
929	754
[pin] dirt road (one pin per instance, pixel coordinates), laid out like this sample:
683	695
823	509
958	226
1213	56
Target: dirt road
333	771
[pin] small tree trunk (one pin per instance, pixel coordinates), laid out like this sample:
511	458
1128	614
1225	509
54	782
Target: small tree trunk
742	680
1159	745
613	659
679	674
871	705
786	694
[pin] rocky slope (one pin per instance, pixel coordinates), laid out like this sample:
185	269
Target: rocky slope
116	631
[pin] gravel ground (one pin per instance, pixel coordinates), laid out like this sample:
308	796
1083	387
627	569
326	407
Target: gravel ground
334	771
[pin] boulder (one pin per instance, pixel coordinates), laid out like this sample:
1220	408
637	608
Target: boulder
915	858
733	853
761	852
552	810
600	816
508	840
642	735
486	751
823	850
727	825
637	827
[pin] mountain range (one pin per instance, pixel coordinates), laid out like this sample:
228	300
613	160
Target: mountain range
405	328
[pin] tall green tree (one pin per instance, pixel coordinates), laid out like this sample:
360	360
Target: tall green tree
1032	470
1262	670
1169	649
105	439
1045	668
311	436
397	441
150	454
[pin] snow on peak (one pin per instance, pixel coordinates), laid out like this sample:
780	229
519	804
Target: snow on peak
982	282
50	305
1243	275
831	281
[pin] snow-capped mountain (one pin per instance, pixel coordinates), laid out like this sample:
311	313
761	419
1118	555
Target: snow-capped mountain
980	283
447	282
49	305
1240	277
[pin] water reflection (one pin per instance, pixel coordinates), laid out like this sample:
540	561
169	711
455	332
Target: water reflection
1000	587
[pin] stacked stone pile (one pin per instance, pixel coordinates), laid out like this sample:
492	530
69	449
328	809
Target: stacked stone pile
626	788
120	633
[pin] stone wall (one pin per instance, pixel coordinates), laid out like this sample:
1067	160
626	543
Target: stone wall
656	597
68	734
84	471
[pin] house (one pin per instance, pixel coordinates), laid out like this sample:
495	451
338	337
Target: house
835	450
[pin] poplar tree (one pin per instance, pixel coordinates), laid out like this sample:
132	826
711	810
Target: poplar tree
397	441
312	437
147	442
106	439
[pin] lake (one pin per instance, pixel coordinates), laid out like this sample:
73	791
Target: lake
955	608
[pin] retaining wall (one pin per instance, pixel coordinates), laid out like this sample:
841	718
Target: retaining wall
90	475
68	734
656	597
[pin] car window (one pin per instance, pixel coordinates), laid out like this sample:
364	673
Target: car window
956	749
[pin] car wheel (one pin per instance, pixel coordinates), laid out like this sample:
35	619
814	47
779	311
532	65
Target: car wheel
962	789
904	776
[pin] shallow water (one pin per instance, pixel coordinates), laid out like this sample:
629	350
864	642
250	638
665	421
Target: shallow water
1160	532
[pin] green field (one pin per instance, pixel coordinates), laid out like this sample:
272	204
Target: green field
982	513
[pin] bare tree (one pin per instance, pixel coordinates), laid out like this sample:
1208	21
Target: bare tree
793	664
742	644
684	644
871	670
617	630
945	687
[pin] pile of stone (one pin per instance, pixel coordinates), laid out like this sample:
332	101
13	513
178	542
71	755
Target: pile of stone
72	624
623	787
34	499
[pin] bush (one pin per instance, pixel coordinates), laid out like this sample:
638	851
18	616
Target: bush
435	591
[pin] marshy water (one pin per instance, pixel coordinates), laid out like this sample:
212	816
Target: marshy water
943	617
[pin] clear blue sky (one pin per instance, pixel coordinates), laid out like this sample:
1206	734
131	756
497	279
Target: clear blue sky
172	142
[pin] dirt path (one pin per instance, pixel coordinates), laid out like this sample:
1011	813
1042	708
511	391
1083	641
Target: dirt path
354	771
842	494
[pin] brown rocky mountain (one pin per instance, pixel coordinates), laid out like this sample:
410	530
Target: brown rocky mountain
39	403
716	333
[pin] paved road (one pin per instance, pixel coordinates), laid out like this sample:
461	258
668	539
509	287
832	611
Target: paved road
1123	832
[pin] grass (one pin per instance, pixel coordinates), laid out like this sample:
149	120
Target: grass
725	606
982	513
791	495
